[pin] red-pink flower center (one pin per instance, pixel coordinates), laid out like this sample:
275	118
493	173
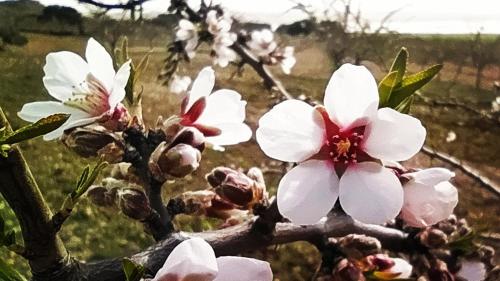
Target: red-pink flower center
342	147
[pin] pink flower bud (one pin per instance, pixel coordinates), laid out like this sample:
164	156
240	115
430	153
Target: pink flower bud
178	161
190	136
94	140
236	187
428	197
433	238
359	246
102	196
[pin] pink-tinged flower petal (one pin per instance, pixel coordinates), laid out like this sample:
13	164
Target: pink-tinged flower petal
403	267
472	271
192	259
230	133
393	136
291	131
202	86
75	120
431	176
223	106
34	111
100	63
351	95
64	72
428	197
370	193
308	192
243	269
120	81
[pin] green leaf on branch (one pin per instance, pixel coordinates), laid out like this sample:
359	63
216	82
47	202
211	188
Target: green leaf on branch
39	128
405	105
7	273
463	243
386	86
399	65
86	179
133	271
412	83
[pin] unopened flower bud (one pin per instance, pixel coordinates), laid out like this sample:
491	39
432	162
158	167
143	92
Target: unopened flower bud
178	161
134	203
439	272
433	238
90	140
190	136
386	268
102	196
236	187
358	246
347	271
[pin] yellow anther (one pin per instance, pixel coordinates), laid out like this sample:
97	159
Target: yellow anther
343	146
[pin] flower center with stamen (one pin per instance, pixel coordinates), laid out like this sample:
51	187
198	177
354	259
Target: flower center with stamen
90	96
343	147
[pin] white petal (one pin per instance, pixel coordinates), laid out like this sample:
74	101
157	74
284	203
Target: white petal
431	176
308	192
291	131
223	106
75	120
472	271
403	267
64	71
33	111
120	81
193	258
393	136
243	269
186	25
100	63
428	204
370	193
202	86
231	133
351	95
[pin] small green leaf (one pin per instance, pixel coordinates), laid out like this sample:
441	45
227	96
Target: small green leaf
40	127
129	88
141	67
87	179
399	64
464	243
412	83
133	271
385	88
7	273
405	105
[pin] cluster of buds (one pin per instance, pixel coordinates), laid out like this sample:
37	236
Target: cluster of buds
241	190
95	140
373	267
178	158
262	44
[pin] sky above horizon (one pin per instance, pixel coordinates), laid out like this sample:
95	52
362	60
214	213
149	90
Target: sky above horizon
423	16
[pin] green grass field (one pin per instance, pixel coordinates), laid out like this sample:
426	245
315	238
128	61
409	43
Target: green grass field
92	233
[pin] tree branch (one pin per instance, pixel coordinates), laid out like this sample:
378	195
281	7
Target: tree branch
269	80
43	247
469	171
244	237
124	6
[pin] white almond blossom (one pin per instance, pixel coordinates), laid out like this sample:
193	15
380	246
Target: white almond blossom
188	34
90	90
222	51
345	139
285	58
179	84
262	42
218	24
194	259
218	115
429	197
472	270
